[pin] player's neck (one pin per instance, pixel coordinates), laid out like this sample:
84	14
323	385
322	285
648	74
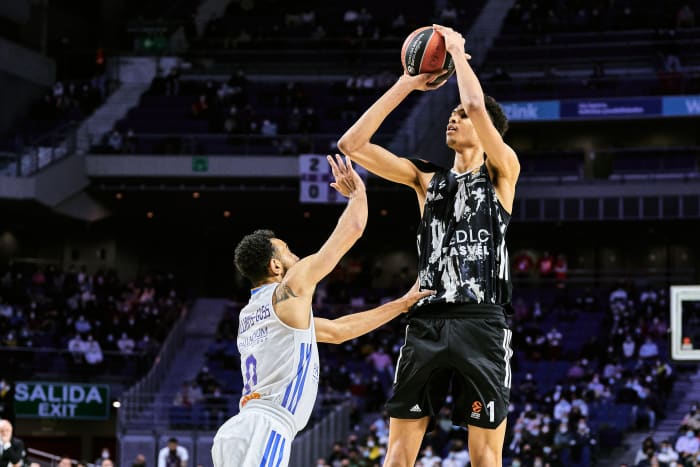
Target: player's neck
269	280
468	160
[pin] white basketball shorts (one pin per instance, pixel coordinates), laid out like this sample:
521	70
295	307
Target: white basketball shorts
253	438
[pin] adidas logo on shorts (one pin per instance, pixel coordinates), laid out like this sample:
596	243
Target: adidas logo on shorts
415	408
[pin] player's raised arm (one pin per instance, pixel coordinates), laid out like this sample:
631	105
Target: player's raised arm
502	161
304	275
355	143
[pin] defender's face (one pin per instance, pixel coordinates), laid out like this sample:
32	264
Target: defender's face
284	255
460	130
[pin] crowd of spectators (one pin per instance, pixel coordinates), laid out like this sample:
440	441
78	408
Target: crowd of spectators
680	450
355	25
240	115
66	101
550	16
627	48
76	321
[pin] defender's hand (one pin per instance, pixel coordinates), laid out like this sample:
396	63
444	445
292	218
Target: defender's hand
347	182
413	296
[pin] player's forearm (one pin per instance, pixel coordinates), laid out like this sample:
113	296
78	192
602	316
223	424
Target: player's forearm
368	124
471	95
357	324
354	218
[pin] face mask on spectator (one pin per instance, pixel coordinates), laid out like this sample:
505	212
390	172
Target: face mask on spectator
690	433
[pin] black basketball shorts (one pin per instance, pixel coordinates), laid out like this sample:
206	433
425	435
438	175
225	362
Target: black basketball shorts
444	349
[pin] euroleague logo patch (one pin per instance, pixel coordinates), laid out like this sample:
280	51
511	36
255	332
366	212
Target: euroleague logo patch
476	409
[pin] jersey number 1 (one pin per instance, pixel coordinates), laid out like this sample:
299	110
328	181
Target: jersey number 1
489	409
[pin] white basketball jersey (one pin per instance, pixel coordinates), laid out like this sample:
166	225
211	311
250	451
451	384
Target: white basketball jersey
279	363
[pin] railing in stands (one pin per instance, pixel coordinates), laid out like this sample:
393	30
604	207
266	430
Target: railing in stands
140	395
43	151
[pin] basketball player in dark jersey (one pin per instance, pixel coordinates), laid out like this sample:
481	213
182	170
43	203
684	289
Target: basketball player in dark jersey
459	336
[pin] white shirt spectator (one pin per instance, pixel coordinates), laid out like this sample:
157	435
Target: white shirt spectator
77	347
429	459
6	310
126	344
554	337
649	349
581	404
93	353
666	453
619	294
688	443
562	409
181	452
628	347
456	459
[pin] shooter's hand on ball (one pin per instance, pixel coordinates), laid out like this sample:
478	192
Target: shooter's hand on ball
454	41
347	182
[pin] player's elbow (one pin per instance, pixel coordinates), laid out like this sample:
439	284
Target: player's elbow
473	104
330	336
348	145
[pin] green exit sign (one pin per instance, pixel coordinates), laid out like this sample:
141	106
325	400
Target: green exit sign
200	164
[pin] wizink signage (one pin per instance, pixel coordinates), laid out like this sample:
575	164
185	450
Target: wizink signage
70	401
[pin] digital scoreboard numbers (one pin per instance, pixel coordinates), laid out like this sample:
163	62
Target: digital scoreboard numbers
315	177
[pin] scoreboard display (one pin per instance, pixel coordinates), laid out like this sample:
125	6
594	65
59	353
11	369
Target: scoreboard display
315	177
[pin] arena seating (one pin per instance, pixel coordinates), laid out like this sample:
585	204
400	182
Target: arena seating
555	50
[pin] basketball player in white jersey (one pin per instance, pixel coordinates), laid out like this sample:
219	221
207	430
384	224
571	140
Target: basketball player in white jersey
277	333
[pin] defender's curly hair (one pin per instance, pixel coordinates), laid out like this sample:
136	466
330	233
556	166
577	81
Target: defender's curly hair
254	253
497	114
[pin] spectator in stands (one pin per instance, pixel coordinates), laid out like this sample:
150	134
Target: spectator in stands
561	269
523	263
173	455
667	455
115	141
648	350
7	401
93	352
12	451
692	418
687	446
562	408
554	338
77	347
528	388
126	344
140	461
429	458
629	347
458	456
206	381
65	462
545	264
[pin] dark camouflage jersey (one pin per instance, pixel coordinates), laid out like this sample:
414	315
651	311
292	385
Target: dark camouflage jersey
461	240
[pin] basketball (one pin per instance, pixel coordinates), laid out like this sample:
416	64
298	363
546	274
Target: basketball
424	51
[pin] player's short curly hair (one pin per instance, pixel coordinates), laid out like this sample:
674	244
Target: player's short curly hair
253	254
497	114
